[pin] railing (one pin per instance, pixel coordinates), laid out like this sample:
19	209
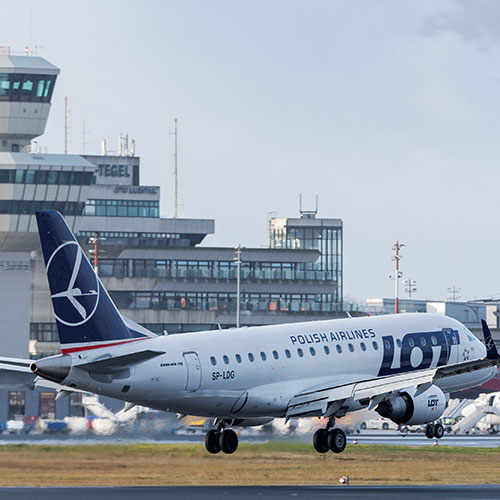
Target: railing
222	274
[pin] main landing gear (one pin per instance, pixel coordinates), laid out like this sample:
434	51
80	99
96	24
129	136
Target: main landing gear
434	431
221	439
330	438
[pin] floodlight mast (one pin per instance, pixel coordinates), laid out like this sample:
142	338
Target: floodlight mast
238	283
396	258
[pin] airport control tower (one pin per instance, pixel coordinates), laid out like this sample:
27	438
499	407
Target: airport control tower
26	86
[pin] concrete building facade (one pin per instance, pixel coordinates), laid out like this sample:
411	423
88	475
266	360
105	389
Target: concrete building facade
154	267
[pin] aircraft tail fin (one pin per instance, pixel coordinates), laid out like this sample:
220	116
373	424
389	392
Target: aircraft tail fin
86	316
491	349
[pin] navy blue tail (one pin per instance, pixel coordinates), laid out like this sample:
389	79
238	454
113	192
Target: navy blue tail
84	311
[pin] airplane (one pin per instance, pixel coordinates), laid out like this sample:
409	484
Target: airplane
404	366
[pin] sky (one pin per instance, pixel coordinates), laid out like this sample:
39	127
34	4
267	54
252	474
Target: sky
389	111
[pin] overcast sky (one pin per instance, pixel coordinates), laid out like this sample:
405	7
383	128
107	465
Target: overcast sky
388	110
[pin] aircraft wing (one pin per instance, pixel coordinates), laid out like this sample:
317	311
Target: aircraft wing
328	399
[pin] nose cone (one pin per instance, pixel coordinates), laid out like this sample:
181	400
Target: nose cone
55	368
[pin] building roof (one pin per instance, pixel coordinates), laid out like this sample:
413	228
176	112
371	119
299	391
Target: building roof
222	254
27	64
306	222
49	160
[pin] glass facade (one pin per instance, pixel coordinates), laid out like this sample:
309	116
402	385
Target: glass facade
44	332
327	240
20	207
20	176
225	302
193	269
122	208
26	87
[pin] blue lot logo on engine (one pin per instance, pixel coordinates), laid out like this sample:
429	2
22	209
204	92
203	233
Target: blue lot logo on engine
73	283
416	351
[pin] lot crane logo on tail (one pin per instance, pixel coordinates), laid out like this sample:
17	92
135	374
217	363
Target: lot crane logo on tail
78	299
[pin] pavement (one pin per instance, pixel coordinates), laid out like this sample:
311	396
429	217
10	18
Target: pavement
474	492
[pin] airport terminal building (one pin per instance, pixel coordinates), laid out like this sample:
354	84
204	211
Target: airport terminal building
155	268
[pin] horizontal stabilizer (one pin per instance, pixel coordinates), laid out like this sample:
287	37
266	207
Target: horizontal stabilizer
15	364
116	363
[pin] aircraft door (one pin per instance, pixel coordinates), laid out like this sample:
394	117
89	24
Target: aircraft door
193	366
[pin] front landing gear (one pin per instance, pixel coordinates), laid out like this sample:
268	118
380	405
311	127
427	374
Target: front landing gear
221	439
434	431
331	438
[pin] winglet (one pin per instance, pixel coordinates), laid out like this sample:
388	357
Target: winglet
491	350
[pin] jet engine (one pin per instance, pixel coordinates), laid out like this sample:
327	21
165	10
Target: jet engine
407	409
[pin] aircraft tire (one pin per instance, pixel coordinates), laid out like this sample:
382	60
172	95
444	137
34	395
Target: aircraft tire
438	431
228	441
212	442
320	441
337	440
429	431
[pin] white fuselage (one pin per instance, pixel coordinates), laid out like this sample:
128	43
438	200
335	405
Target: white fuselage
185	379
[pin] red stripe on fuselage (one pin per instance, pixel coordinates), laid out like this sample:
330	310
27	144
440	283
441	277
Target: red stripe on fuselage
89	347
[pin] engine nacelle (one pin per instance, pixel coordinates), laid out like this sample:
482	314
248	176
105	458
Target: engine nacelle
407	409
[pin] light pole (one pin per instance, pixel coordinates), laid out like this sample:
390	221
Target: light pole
238	283
396	258
95	251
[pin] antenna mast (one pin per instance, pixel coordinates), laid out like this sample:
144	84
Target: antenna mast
65	125
176	178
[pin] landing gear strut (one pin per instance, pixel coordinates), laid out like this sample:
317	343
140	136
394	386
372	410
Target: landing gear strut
330	438
434	431
221	439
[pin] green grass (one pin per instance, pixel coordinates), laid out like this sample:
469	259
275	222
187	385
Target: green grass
247	448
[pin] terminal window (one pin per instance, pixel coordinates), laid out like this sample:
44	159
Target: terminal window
16	405
26	87
122	208
48	405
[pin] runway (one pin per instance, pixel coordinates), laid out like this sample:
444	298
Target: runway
247	492
396	439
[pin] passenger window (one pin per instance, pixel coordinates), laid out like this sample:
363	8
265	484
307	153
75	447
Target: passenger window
434	340
351	347
339	348
300	352
263	356
250	357
411	342
238	358
226	359
312	351
375	345
363	346
288	354
398	342
275	354
387	344
213	360
423	342
327	349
